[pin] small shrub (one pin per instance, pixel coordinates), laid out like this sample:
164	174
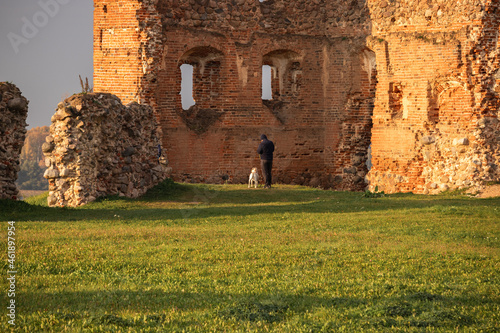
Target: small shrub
375	194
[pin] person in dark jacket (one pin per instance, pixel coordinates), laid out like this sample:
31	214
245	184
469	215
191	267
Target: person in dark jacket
266	149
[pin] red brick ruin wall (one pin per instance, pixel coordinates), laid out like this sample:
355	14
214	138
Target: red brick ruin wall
323	83
435	121
433	67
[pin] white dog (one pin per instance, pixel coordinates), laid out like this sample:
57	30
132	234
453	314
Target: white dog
254	178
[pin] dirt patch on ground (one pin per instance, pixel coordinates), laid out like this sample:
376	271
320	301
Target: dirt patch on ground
490	192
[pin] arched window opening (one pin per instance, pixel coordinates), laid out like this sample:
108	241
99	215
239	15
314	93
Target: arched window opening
201	78
449	101
187	86
267	93
286	73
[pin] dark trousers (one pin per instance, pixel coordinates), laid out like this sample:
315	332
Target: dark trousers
267	166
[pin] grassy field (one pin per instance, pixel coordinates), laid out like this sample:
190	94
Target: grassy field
224	258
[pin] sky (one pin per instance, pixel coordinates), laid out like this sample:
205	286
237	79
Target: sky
44	46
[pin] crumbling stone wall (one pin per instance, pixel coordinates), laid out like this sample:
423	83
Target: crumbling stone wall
435	121
98	147
323	83
13	113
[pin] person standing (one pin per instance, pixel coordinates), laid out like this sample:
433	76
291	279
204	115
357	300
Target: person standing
265	150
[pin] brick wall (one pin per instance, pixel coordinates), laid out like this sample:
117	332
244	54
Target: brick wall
323	85
423	74
436	65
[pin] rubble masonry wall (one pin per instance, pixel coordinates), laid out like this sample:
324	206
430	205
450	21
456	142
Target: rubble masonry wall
98	147
13	113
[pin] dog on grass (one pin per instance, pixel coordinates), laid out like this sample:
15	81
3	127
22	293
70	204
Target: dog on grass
253	179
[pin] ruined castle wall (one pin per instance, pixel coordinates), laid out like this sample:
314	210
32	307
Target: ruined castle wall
433	65
98	147
123	42
302	123
435	121
323	83
13	113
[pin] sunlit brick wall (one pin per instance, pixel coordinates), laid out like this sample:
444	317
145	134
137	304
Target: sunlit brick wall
436	67
432	64
320	113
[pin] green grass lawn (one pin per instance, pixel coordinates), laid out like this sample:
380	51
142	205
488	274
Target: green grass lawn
225	258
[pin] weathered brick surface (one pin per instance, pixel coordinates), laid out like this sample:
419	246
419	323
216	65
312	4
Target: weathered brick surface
13	113
435	116
433	65
323	85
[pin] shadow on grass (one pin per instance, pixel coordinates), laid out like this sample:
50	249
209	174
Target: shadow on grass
103	307
191	212
182	203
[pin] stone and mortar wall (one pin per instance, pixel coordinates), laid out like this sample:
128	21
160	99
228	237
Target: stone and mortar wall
435	122
98	147
319	119
13	113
